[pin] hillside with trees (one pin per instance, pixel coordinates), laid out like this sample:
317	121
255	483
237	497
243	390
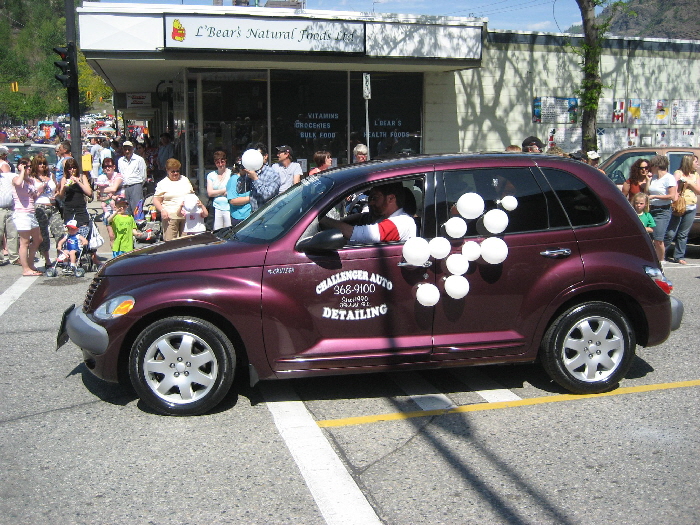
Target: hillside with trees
677	19
29	30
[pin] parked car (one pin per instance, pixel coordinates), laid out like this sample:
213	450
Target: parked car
278	297
17	150
617	166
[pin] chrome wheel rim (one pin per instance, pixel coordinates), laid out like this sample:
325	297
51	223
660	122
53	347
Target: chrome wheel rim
593	349
180	367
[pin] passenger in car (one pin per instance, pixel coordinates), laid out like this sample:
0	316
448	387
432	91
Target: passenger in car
386	221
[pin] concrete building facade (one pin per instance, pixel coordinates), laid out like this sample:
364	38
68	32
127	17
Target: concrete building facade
225	77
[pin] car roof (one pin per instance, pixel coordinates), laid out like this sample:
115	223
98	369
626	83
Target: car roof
358	171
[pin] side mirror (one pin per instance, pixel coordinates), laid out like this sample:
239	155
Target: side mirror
325	241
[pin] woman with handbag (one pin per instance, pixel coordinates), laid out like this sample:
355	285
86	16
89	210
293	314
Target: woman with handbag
682	219
661	186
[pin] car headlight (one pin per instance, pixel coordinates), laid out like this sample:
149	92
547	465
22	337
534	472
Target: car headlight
115	307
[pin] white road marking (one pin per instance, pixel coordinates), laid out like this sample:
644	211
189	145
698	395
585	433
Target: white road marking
15	291
338	497
490	390
421	392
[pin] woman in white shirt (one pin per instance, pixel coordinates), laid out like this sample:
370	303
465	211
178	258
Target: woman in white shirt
662	192
216	189
170	192
47	214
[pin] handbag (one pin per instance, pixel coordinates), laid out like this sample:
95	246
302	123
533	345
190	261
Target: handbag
96	239
678	207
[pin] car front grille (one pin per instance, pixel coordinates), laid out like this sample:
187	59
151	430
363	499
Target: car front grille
94	285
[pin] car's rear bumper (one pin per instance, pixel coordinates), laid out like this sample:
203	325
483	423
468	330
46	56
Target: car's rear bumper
677	311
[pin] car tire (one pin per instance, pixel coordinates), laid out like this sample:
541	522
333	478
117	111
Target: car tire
182	366
589	348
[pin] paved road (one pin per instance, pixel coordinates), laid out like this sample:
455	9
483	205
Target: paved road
482	445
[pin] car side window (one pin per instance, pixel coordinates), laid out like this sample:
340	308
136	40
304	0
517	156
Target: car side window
354	207
619	170
493	184
675	158
581	204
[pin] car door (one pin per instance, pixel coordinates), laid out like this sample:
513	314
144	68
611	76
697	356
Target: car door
350	308
499	315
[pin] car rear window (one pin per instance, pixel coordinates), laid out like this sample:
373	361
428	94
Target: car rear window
493	184
581	204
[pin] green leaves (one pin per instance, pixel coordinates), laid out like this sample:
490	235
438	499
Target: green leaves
30	29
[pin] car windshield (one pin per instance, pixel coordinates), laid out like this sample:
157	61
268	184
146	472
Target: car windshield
17	151
278	215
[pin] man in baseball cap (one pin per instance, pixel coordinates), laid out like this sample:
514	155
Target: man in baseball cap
533	145
289	172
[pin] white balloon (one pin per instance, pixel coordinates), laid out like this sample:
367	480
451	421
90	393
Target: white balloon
456	286
252	160
457	264
509	203
494	250
456	227
470	205
427	294
495	221
416	251
471	250
439	247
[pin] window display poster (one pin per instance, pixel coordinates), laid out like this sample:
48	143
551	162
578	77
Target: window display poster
611	111
612	139
685	112
568	139
679	138
555	110
633	137
647	111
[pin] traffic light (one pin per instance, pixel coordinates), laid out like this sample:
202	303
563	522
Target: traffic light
66	65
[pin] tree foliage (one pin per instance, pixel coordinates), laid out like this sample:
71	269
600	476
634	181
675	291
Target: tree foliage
30	30
594	30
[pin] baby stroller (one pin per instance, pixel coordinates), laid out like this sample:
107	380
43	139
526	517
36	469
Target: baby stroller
84	258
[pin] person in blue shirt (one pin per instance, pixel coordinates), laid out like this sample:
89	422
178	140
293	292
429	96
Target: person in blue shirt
264	183
238	195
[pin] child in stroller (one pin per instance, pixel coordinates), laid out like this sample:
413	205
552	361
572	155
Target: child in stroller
74	254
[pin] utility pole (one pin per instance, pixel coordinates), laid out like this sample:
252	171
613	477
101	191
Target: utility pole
72	87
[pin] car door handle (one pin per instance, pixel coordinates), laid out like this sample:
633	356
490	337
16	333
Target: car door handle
404	264
556	253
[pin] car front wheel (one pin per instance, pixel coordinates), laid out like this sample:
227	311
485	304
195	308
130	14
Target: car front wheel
589	348
182	366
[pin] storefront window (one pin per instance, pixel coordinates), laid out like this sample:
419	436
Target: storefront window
395	113
309	113
234	107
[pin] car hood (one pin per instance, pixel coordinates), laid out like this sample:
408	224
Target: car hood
204	251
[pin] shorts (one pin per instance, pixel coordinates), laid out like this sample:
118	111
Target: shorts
662	216
24	221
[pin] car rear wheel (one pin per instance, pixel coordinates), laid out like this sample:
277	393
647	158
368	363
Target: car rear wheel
182	366
589	348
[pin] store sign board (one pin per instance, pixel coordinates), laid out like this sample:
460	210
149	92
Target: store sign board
138	100
258	34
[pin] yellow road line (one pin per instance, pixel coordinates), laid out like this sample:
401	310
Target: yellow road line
478	407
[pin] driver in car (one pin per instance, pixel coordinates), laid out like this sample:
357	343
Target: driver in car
386	221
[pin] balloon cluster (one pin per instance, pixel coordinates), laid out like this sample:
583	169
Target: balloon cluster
417	251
